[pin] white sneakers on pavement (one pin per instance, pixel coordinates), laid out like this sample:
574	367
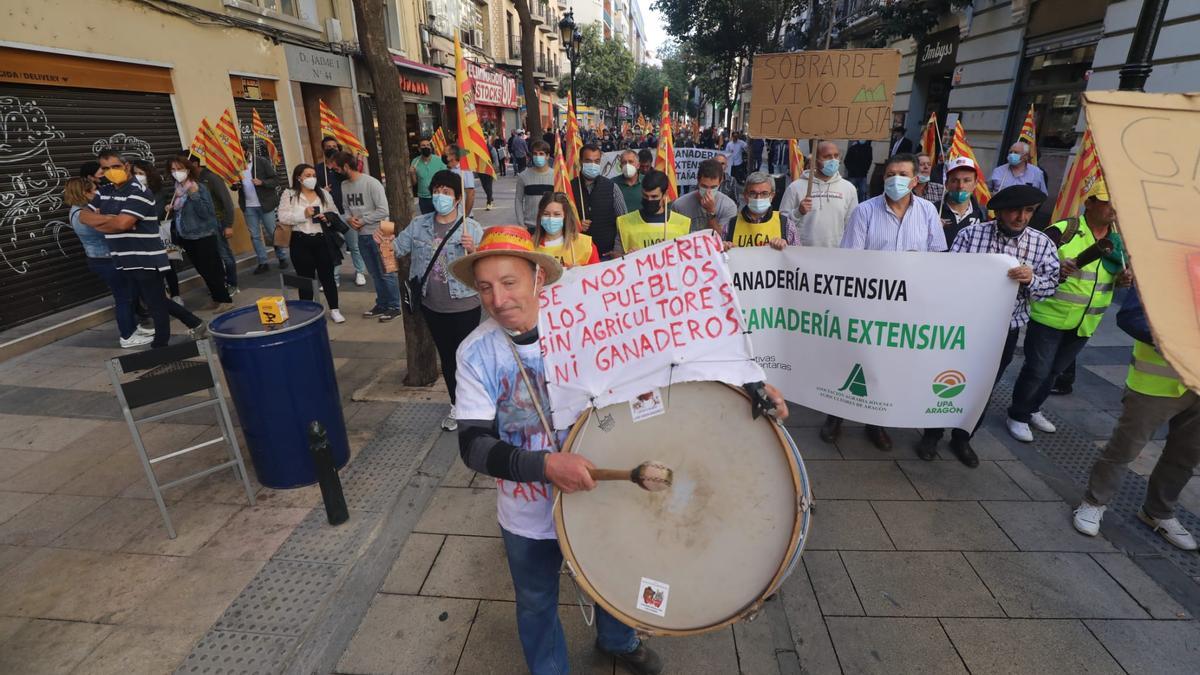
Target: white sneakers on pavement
136	340
336	315
1019	430
360	279
1087	518
1170	529
1039	422
451	421
141	330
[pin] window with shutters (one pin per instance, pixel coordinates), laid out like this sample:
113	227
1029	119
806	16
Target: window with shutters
245	108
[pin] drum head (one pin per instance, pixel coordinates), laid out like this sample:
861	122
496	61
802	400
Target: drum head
697	555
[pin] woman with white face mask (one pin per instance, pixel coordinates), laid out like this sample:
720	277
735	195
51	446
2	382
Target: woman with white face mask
558	234
194	218
316	249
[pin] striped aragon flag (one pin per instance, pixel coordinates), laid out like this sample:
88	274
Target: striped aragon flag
212	155
438	142
1028	135
1084	171
473	152
227	134
260	132
562	178
574	141
332	125
929	139
665	159
960	148
795	159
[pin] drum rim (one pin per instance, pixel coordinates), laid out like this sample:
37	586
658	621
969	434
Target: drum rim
799	520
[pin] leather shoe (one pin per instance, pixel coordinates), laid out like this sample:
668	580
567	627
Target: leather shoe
641	661
962	450
831	428
927	448
879	437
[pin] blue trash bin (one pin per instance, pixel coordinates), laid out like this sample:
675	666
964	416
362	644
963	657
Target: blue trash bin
280	380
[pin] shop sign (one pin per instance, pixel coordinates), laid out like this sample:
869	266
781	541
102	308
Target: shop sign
938	52
412	86
251	89
317	67
493	87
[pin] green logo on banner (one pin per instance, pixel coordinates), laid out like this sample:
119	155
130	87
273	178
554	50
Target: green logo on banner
856	381
949	383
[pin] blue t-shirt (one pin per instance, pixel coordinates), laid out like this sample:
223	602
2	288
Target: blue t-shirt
140	248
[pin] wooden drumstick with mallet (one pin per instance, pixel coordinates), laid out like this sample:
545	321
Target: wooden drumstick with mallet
652	476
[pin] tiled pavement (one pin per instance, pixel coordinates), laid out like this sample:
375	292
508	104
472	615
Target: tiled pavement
911	567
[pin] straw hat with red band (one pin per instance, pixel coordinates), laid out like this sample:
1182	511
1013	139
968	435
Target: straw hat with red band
512	240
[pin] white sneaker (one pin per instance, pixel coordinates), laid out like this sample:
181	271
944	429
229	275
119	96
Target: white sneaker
1019	431
1039	422
135	340
359	279
141	330
177	300
336	315
451	422
1087	518
1171	530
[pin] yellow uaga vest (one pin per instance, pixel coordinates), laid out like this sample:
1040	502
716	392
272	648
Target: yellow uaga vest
579	253
1150	374
746	233
1081	299
636	233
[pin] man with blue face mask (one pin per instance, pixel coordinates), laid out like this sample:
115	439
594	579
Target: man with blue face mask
1016	170
821	217
960	210
532	183
600	201
898	221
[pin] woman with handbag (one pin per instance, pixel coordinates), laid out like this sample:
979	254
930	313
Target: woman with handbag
435	240
304	229
192	212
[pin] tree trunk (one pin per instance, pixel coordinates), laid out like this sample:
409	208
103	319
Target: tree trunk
420	355
533	103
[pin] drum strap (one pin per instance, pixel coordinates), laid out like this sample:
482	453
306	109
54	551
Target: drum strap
537	400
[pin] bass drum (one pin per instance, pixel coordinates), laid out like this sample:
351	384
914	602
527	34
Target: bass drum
709	550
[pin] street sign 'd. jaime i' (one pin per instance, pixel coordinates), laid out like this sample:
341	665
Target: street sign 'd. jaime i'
837	94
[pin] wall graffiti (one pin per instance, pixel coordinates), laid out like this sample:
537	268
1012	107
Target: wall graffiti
25	136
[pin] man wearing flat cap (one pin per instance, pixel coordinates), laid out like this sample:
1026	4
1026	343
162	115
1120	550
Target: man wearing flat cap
1038	275
1061	324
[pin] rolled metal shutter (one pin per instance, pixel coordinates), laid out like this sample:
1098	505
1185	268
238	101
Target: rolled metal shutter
46	134
245	108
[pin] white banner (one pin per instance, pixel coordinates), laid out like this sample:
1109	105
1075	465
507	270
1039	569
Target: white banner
892	339
687	162
613	331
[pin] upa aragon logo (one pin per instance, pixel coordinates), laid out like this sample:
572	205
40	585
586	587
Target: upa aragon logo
856	381
949	383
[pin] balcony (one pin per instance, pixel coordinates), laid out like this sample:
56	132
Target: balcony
549	18
513	53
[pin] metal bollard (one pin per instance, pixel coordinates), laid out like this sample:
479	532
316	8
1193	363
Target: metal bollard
327	475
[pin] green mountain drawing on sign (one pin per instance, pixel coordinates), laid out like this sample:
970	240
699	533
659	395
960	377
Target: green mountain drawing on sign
876	95
856	381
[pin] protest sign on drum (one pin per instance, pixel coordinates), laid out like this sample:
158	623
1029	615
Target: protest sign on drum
891	346
660	315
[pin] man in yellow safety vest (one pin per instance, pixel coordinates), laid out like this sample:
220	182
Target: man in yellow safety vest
757	224
1154	395
1060	325
653	223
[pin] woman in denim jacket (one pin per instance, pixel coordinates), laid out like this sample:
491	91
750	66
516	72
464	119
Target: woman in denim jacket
451	309
194	217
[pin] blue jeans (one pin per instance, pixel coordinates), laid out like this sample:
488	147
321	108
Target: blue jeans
387	285
259	221
124	298
534	565
1048	352
148	285
355	255
227	260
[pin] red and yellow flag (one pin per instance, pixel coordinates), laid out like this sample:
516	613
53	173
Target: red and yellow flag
438	142
641	122
625	128
695	129
960	148
208	148
1029	135
1084	171
261	133
574	141
332	125
929	138
665	159
562	178
227	133
795	159
473	150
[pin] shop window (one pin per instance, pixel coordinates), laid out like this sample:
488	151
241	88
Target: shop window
1054	83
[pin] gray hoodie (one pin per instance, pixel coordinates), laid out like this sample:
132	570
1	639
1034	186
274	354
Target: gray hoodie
365	199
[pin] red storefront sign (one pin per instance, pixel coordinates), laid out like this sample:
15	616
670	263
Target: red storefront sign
492	87
413	86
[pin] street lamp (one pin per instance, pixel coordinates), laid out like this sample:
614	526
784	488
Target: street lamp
572	39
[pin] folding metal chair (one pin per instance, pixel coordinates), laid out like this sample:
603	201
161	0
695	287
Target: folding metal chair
168	373
298	282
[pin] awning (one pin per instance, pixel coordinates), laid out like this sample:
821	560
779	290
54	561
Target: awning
417	66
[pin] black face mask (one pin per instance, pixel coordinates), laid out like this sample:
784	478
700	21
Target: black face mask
650	206
330	152
425	152
103	180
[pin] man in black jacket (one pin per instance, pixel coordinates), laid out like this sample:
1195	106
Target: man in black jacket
258	198
600	200
858	166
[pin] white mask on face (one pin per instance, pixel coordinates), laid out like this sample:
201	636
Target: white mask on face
309	183
179	176
141	178
630	170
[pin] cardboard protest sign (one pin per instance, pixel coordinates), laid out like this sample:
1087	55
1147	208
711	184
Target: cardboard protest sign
874	336
1149	148
836	94
615	330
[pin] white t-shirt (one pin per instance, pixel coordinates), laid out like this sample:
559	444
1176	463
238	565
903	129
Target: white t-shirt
468	178
490	387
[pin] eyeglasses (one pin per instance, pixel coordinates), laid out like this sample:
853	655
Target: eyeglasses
759	195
